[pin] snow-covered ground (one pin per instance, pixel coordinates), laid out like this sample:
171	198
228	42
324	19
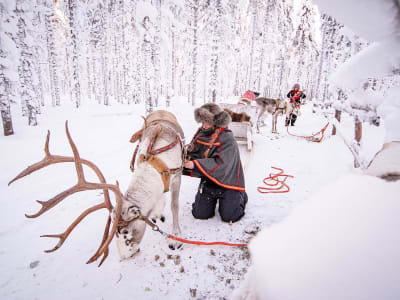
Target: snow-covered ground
102	135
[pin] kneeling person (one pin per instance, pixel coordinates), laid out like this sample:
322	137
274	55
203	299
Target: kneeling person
213	155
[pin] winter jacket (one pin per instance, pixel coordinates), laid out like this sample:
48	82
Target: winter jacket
223	165
293	97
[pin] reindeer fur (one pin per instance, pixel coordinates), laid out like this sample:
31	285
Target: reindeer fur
145	191
275	107
238	117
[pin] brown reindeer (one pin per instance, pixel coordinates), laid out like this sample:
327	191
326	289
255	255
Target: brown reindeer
275	107
158	170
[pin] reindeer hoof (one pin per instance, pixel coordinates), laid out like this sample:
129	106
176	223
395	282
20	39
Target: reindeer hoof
162	218
175	246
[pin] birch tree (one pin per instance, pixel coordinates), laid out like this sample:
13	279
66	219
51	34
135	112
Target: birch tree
51	22
8	61
29	103
74	42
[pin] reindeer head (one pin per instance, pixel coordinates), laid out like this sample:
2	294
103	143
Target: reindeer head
144	198
130	232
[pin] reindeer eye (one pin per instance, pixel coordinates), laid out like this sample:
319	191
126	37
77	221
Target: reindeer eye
134	210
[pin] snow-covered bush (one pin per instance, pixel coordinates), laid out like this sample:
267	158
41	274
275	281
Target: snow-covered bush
342	244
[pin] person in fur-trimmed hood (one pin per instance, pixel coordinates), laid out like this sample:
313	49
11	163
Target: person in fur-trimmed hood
213	156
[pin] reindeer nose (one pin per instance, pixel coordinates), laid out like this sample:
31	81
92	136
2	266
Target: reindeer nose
133	212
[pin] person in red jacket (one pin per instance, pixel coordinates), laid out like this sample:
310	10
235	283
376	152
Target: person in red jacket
296	96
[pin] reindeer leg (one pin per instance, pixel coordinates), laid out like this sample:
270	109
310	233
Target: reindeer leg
262	110
274	118
156	212
175	188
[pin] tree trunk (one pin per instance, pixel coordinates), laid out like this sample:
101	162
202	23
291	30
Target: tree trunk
338	114
147	62
5	107
194	58
7	121
52	60
173	66
250	82
76	88
357	136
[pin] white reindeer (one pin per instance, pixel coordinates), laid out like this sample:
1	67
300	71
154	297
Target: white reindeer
158	170
146	191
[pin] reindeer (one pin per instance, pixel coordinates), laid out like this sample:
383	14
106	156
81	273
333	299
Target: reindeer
275	107
158	170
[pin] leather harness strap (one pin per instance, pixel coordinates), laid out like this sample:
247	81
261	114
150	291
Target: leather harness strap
161	167
154	161
213	138
210	144
132	164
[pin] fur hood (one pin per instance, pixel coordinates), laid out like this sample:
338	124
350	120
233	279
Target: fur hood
213	114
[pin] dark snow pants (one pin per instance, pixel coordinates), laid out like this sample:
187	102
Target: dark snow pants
231	203
291	120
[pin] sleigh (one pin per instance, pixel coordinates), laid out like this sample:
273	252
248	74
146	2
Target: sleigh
243	131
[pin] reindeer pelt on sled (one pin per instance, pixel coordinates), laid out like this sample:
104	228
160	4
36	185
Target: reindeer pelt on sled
238	117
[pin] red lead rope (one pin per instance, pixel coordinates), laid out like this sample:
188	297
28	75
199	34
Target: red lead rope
313	137
204	243
154	227
274	184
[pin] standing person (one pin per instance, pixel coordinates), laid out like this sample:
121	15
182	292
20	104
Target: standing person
295	96
213	155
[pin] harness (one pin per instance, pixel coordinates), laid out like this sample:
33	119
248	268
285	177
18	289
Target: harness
150	156
210	144
278	107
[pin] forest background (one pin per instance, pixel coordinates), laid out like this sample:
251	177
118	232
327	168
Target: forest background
152	51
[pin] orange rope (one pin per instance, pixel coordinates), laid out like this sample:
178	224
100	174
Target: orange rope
273	187
204	243
311	137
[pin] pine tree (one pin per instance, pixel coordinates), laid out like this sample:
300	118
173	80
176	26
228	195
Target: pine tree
51	23
8	74
29	99
74	42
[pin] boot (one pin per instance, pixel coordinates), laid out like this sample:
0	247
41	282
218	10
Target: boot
287	120
293	120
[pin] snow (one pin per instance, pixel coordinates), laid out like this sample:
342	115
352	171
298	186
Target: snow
102	135
343	243
390	110
378	22
376	61
386	161
371	19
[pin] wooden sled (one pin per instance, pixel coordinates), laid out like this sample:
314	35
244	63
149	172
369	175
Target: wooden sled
243	131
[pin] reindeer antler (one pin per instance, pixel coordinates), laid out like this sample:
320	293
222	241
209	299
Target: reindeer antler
81	185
